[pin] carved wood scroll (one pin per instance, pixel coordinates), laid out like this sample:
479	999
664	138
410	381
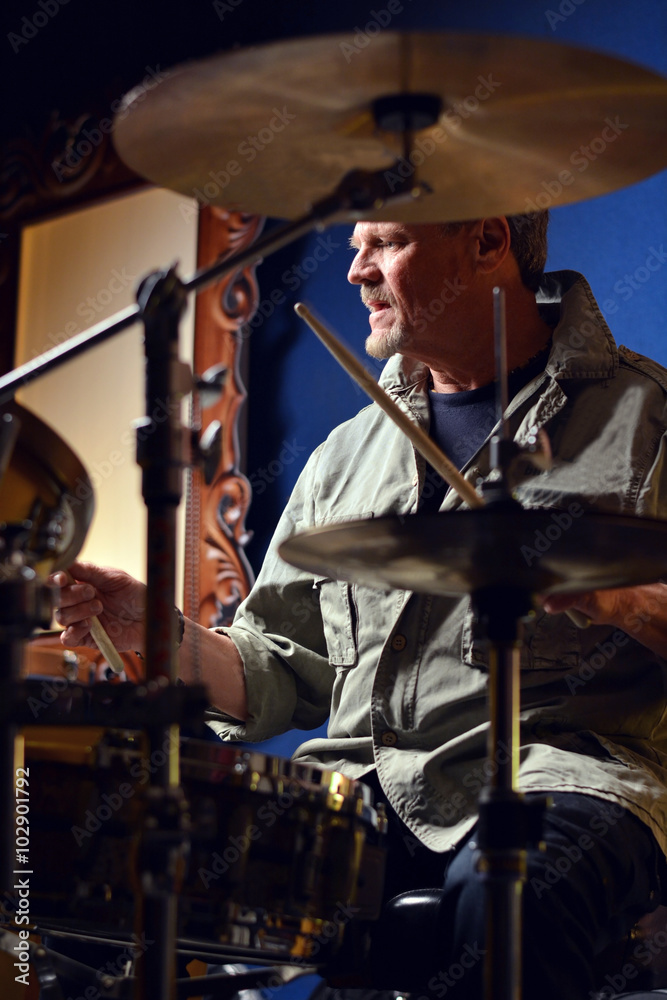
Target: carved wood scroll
217	573
72	165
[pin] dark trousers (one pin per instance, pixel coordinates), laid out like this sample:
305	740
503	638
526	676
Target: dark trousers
601	871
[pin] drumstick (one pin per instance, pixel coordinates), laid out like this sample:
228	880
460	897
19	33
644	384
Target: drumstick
420	439
101	638
422	442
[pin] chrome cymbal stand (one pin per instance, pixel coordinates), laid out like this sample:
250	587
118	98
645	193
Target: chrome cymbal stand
507	823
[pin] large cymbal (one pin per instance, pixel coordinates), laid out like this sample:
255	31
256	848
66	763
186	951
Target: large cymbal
543	551
525	123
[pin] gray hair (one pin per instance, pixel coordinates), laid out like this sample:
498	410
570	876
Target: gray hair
528	244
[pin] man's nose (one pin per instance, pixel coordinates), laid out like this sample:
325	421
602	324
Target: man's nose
363	270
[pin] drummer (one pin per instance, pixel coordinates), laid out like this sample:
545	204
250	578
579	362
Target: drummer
403	677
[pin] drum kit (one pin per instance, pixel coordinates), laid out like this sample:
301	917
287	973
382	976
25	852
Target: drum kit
209	850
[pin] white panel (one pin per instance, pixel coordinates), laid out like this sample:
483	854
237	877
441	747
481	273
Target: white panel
75	271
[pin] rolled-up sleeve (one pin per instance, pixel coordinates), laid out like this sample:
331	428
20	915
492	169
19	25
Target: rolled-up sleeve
279	634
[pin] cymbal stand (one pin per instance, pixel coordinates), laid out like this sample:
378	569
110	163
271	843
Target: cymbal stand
160	302
25	605
159	453
507	824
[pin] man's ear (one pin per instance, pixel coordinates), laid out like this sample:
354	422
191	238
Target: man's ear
493	239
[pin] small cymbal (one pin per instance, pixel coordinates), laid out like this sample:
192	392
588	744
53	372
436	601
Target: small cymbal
523	124
542	551
46	499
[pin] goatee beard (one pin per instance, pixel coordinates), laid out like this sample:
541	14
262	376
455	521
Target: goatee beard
385	345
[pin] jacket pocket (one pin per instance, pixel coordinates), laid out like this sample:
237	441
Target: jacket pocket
550	642
339	619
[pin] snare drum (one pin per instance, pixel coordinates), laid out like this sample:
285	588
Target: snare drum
86	812
282	855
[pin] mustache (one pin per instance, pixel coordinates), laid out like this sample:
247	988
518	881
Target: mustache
375	295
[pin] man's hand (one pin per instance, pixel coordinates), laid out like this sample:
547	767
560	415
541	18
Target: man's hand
115	597
641	612
601	607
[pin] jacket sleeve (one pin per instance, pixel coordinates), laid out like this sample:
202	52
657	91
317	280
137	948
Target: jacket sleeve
279	634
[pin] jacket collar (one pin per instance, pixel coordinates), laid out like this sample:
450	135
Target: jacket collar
582	347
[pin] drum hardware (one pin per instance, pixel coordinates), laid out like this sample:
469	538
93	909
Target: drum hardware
50	965
295	831
480	553
458	185
282	855
160	302
407	553
45	508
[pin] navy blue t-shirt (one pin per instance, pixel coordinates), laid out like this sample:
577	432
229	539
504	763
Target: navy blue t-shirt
461	423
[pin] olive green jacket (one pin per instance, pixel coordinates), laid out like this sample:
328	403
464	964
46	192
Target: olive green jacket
402	676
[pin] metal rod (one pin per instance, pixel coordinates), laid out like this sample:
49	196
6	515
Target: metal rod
500	343
56	356
504	871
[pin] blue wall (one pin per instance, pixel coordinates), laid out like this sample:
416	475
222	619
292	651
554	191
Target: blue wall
297	393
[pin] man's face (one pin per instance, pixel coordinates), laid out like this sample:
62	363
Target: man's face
412	279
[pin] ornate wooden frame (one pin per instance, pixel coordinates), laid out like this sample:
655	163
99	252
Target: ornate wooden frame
74	164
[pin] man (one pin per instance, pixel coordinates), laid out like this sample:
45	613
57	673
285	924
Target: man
403	677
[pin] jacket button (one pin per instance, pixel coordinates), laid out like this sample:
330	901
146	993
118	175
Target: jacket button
398	643
389	738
